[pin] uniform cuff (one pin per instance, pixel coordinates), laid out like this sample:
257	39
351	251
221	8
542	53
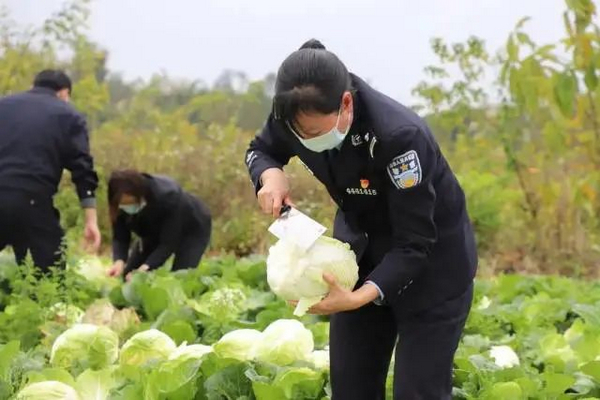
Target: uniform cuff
89	202
378	301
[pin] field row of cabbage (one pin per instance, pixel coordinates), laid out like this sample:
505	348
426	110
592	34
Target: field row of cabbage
219	333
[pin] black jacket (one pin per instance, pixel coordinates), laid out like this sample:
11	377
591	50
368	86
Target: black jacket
400	206
169	215
40	135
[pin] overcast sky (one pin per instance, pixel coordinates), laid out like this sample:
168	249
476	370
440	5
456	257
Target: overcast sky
384	41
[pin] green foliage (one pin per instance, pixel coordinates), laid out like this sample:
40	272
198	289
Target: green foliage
490	204
550	325
528	156
28	299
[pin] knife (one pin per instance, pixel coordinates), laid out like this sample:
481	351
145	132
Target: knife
296	227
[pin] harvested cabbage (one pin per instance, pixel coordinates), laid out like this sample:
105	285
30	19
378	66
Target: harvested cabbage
297	275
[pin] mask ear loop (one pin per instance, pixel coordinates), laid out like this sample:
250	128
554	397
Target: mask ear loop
337	122
287	123
350	118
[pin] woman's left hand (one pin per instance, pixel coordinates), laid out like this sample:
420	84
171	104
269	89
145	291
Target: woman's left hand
143	268
340	299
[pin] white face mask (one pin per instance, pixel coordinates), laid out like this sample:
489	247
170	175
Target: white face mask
132	209
327	141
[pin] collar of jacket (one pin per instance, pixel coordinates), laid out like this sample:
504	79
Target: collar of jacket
43	90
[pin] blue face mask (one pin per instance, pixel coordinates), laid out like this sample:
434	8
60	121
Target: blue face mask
326	141
132	209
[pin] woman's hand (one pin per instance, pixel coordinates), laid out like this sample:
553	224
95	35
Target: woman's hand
143	268
340	299
275	191
117	268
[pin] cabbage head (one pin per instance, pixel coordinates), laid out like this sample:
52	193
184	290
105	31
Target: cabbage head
147	346
102	312
48	390
65	313
504	356
95	271
284	342
85	346
294	274
320	359
192	351
238	344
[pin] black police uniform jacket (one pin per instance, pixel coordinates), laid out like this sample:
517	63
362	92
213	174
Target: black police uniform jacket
40	135
400	206
169	216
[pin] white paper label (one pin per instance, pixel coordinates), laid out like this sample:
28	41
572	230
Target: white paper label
297	228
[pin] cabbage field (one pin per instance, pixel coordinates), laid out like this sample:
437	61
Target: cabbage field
219	333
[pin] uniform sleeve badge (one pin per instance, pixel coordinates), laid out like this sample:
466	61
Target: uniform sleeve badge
250	158
405	170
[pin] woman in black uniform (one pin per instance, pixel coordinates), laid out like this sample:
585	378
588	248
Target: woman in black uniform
401	209
167	220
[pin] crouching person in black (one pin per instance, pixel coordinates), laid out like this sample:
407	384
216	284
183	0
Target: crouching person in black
167	221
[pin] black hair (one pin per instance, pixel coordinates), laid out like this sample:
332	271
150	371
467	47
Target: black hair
53	79
311	79
125	181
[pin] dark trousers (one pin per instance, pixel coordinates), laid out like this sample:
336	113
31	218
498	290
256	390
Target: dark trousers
362	342
187	255
30	223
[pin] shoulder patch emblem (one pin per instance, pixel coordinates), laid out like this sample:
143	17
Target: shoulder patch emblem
405	170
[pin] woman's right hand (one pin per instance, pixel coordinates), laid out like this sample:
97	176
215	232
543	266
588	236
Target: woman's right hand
117	268
275	191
